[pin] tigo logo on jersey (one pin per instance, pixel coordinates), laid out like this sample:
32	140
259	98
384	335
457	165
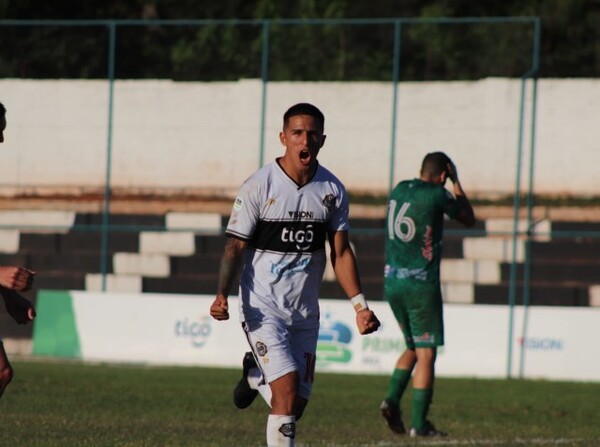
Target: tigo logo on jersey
302	238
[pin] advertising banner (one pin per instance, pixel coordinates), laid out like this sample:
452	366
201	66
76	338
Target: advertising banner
164	329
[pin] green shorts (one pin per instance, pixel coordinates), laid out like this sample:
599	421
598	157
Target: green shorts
417	307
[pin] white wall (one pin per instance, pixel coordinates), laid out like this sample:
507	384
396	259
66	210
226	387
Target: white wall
194	136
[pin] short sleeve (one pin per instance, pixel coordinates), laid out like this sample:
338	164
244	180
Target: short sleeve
340	214
245	212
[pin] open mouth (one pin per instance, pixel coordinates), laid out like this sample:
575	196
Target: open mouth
304	155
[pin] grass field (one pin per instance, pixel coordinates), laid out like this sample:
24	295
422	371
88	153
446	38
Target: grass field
72	404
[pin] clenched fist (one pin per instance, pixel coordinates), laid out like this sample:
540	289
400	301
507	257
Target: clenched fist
219	309
366	321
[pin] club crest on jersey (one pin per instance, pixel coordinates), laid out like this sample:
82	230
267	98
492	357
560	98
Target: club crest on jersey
329	202
261	348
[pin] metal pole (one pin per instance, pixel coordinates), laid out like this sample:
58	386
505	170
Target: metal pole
106	210
395	81
515	233
530	224
265	79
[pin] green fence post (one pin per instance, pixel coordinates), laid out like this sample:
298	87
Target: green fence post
395	81
112	32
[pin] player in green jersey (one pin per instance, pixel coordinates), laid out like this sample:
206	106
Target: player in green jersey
414	228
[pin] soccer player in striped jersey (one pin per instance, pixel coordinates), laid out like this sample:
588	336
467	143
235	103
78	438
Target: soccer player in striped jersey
281	219
415	223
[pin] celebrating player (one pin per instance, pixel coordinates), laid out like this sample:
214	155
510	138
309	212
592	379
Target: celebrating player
278	228
13	280
414	230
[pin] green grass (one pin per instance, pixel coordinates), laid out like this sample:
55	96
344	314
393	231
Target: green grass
71	404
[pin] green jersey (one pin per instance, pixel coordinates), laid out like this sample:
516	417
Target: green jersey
414	229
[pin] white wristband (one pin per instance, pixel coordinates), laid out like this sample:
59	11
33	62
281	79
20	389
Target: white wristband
359	302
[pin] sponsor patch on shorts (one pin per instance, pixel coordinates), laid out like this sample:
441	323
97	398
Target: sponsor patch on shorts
425	338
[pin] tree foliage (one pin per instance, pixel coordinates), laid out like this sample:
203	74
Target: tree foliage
218	50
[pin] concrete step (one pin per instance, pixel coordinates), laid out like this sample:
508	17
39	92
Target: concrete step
540	295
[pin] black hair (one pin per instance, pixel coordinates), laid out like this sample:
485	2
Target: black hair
435	163
2	111
304	108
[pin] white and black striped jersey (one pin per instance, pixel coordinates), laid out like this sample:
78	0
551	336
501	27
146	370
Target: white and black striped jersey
286	228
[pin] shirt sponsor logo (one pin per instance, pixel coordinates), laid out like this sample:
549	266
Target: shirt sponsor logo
301	214
427	250
289	268
404	273
294	236
302	237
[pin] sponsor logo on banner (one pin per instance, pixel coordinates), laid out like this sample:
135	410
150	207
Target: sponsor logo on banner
333	345
383	348
197	331
541	343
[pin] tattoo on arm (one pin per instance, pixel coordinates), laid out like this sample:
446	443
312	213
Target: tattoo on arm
230	265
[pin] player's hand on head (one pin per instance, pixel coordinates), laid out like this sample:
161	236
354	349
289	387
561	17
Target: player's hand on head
219	309
452	172
16	278
367	322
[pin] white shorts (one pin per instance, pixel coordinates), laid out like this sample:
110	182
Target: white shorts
281	349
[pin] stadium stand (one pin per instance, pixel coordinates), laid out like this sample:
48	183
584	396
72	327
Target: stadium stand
180	253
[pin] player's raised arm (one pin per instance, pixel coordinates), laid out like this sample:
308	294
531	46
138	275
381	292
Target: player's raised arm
346	271
467	215
231	262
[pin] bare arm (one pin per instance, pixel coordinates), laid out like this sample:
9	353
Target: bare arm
344	263
231	262
346	271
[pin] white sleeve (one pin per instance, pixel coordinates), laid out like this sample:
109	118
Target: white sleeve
245	212
339	217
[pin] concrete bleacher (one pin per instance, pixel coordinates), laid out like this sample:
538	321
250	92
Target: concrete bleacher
180	253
